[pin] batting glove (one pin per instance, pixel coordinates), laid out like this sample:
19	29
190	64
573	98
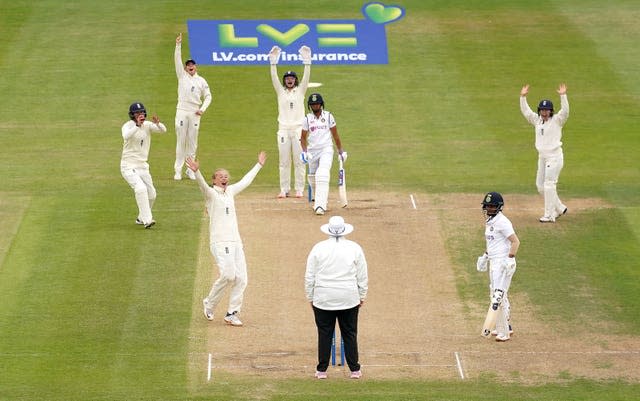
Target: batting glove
343	156
483	263
305	53
274	54
305	157
510	264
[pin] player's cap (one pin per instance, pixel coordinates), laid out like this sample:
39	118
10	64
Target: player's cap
337	227
190	61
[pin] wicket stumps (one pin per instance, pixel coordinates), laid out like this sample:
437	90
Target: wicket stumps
333	350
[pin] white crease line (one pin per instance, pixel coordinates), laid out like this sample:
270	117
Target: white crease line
209	369
413	202
459	363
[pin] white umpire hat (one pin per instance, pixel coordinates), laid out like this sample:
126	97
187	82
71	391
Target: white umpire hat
337	227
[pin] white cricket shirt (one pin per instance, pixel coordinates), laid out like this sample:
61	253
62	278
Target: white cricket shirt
220	203
137	142
193	91
319	131
497	231
548	134
336	277
291	103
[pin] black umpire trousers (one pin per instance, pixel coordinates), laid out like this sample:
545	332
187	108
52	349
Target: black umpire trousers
348	323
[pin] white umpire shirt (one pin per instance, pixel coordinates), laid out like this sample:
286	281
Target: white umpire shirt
137	142
290	102
548	134
497	231
223	223
319	131
191	89
336	277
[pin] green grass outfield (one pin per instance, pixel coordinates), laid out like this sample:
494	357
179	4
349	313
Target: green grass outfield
91	309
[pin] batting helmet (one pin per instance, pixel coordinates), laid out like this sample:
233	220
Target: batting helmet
493	199
290	74
545	105
136	108
315	98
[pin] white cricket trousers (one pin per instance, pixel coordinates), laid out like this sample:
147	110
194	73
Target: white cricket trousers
549	169
320	169
289	148
232	266
187	129
139	179
500	278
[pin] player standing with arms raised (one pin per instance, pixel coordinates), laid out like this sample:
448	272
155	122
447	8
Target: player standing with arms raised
500	258
290	95
133	165
318	130
548	130
224	237
194	97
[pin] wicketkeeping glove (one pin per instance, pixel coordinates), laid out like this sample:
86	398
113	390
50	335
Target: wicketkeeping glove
305	157
305	53
274	54
483	263
510	264
343	156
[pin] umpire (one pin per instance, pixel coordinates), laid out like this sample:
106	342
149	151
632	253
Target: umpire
336	283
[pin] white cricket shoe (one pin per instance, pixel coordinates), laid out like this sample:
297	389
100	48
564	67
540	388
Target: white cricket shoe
356	374
282	195
319	211
208	312
299	194
547	219
149	224
321	375
191	174
501	337
233	319
139	222
177	176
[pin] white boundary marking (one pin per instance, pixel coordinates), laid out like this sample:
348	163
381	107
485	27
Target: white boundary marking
413	202
209	369
459	364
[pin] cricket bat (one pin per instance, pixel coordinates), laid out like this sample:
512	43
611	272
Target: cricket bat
342	184
490	320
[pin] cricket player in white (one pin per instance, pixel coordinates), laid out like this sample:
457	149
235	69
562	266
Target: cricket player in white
194	97
318	130
336	283
291	95
500	256
224	238
134	168
548	130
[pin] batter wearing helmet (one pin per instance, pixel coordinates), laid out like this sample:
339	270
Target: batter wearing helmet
318	128
290	95
133	165
194	96
548	130
499	258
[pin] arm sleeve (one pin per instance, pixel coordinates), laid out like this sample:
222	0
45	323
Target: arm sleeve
207	96
310	277
157	128
204	187
274	78
305	78
362	275
526	111
563	114
245	181
128	129
177	56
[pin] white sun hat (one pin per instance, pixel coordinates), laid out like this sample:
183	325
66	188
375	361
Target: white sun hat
336	227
